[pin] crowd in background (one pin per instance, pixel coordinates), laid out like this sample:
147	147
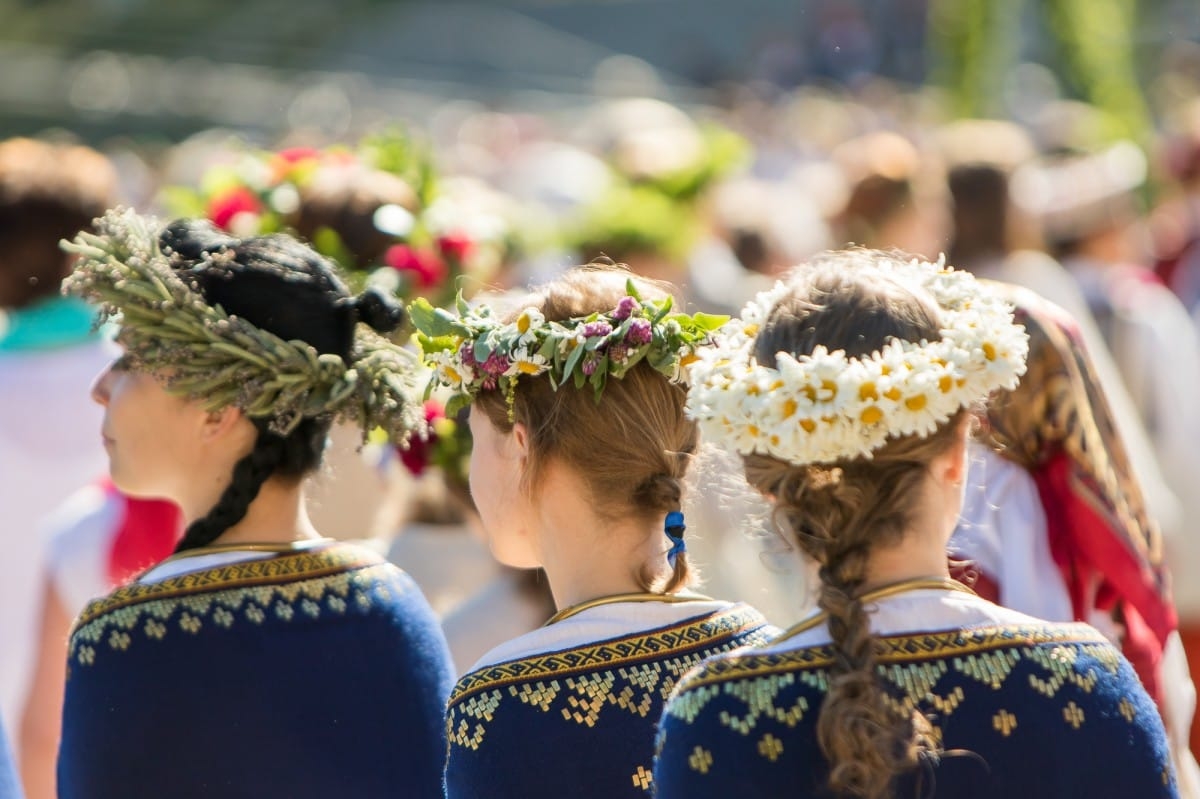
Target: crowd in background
717	200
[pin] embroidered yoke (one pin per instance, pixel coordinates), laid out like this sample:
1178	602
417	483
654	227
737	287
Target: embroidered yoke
580	721
1033	710
307	674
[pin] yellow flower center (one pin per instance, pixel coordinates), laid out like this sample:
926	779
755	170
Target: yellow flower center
945	383
867	391
789	407
527	367
915	403
808	425
871	415
689	359
454	376
753	430
751	330
893	394
523	323
989	350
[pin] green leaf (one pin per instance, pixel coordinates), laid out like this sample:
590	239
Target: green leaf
708	322
663	310
572	360
435	322
463	306
548	348
631	289
457	403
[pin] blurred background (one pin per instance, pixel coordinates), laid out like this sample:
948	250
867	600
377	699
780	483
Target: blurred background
484	146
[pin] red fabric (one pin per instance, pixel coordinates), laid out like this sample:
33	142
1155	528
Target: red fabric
982	583
1099	568
148	532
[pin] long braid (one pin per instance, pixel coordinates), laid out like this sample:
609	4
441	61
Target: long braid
249	474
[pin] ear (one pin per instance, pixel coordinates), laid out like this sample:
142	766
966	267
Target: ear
950	467
221	424
520	439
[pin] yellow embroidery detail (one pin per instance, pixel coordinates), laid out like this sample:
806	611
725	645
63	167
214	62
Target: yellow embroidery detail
914	666
582	688
989	668
700	760
770	747
643	778
299	586
539	695
1004	723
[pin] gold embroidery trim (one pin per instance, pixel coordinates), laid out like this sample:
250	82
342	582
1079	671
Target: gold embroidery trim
705	631
299	566
897	649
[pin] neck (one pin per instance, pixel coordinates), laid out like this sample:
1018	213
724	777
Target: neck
587	558
921	551
276	516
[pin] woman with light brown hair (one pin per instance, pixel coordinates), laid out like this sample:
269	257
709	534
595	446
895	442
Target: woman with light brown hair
850	391
580	452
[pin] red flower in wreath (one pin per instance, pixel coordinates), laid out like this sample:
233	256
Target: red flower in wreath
416	457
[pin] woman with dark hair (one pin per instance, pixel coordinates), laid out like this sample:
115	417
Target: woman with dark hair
261	659
849	391
578	465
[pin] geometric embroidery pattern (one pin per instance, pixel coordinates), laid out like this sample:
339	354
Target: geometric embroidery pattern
632	675
293	587
912	667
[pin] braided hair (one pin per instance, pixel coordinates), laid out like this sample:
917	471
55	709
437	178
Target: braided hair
280	285
838	514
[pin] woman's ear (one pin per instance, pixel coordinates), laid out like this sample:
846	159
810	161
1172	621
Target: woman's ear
520	439
950	467
219	424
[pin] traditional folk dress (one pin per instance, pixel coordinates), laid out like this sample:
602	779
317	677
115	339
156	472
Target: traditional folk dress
1020	707
313	672
570	709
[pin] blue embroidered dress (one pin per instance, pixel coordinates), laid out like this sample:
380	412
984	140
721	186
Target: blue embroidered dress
314	673
570	709
1022	708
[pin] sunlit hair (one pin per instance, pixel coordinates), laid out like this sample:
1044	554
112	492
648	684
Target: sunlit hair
632	446
839	513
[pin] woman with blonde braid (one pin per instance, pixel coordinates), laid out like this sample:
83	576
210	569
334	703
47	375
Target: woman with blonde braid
849	391
261	659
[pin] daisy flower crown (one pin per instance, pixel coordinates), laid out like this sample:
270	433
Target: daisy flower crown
221	360
828	407
475	351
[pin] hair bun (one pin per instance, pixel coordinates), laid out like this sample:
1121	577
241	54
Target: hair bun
382	312
192	238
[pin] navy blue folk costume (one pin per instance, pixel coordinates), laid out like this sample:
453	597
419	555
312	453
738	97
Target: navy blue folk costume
1011	705
571	709
274	669
311	673
1020	707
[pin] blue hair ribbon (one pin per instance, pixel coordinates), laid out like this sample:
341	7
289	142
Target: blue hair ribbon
675	529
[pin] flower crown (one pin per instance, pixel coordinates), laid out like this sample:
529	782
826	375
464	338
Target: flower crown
475	351
436	240
827	407
168	328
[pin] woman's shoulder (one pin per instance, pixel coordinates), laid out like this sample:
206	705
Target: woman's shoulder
1049	649
624	634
